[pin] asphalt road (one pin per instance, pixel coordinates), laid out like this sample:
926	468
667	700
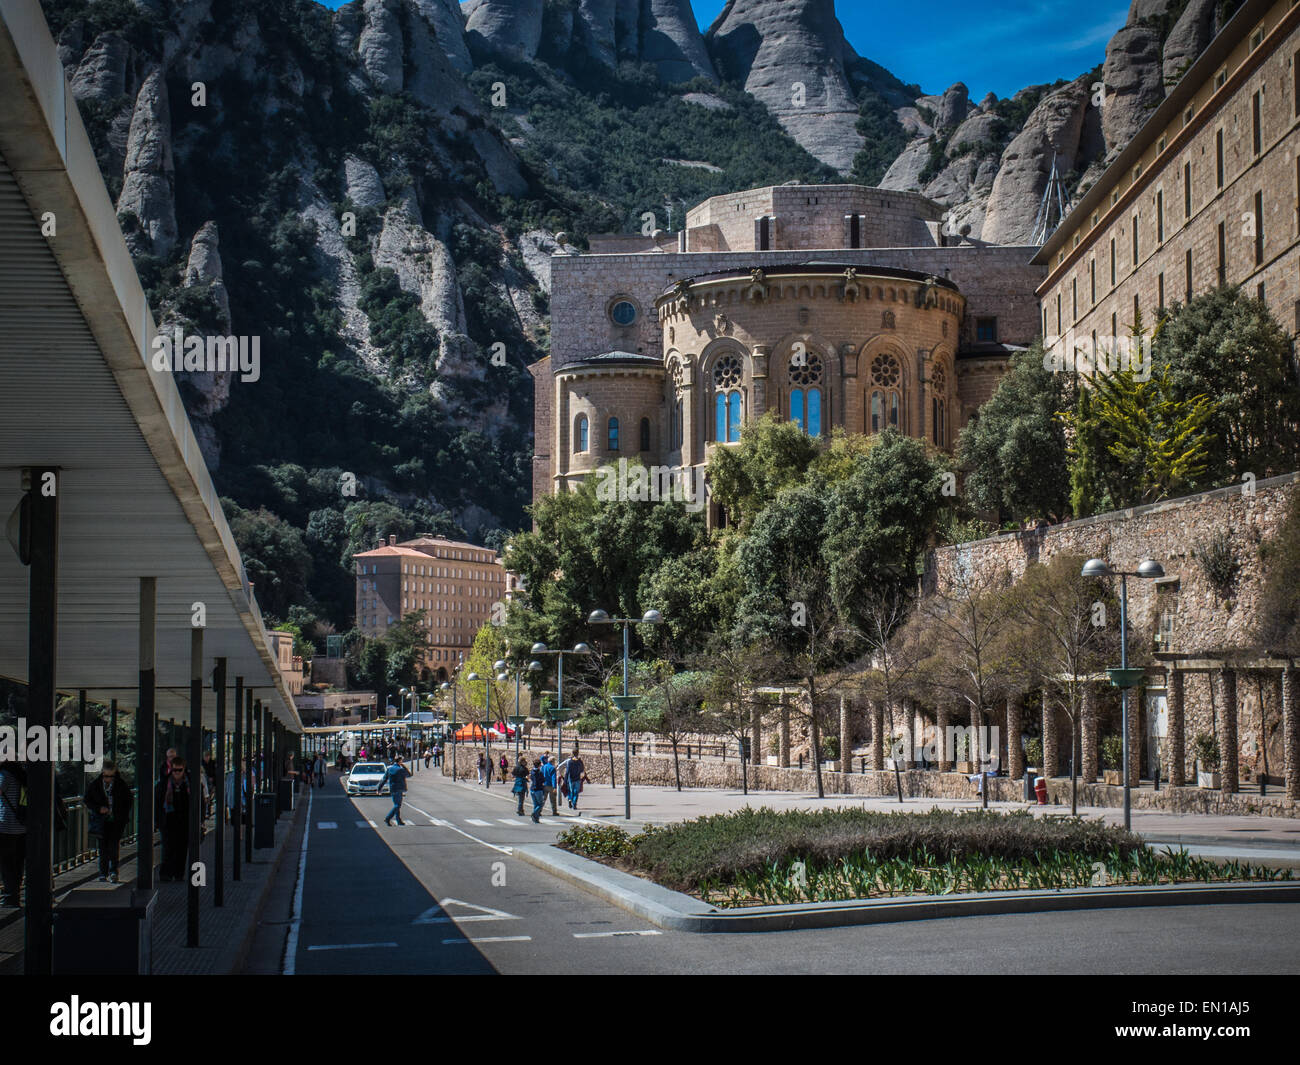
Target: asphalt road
444	895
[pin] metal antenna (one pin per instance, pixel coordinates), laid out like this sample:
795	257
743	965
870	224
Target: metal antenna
1051	209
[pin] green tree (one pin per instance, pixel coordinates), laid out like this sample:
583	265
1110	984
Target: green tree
1227	346
1014	451
772	455
275	557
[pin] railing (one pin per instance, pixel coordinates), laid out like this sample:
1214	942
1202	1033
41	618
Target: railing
73	845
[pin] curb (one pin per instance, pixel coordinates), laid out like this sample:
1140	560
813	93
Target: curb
259	904
679	912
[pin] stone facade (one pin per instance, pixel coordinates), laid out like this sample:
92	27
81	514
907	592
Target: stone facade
1208	192
1191	636
813	301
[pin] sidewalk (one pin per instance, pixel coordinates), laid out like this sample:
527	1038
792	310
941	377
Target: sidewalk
225	933
1228	835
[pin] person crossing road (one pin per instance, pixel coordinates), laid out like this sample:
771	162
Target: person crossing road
395	776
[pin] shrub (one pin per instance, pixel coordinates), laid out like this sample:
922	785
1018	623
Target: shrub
1034	751
596	841
1207	752
1112	752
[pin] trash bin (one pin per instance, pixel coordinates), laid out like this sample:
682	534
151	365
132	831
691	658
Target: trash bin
1040	790
104	930
286	796
264	819
1030	794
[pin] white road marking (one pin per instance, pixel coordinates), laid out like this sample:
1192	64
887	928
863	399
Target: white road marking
485	913
483	842
476	821
327	824
608	935
439	822
351	946
508	821
364	824
492	939
295	923
372	824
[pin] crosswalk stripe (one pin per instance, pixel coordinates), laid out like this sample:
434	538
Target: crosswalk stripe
492	939
439	822
610	935
508	821
327	824
476	821
365	824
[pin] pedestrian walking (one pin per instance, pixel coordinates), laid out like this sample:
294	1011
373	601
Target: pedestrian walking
505	767
548	771
396	775
245	810
13	832
577	776
320	769
172	799
481	763
108	802
537	781
520	786
428	757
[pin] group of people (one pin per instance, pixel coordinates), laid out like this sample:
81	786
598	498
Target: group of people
544	779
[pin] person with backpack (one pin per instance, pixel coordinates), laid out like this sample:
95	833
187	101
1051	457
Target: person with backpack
548	772
108	804
13	832
481	763
505	767
577	776
396	775
520	786
537	781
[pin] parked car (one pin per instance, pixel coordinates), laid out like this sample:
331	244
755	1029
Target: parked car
421	717
367	778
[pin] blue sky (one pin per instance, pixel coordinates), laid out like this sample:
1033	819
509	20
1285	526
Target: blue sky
992	45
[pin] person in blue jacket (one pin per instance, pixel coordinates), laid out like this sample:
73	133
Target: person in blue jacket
395	776
548	771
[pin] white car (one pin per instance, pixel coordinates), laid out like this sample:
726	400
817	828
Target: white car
367	778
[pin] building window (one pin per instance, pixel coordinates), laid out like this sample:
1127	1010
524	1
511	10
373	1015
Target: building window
1074	299
677	425
1092	281
1257	38
986	329
806	396
1259	292
1058	312
580	434
1112	262
1295	88
886	319
1137	310
1259	228
1218	158
1135	240
1256	128
645	434
886	397
764	233
622	312
727	377
1188	269
938	406
1187	191
612	437
1160	294
1160	217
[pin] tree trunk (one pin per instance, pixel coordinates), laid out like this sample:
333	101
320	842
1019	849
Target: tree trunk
609	740
677	767
816	737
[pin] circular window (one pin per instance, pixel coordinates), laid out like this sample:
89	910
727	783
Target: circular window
623	312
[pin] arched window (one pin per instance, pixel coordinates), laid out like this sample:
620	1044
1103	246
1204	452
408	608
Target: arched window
727	407
613	434
645	434
806	395
938	405
887	393
580	434
677	425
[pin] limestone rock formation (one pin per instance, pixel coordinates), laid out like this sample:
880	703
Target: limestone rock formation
101	74
791	55
203	270
1134	79
147	182
380	45
1056	127
672	41
364	187
1195	28
507	25
449	27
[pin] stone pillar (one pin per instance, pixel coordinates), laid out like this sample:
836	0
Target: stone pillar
846	738
756	736
943	742
1088	733
783	750
1290	733
1051	757
1228	733
1177	758
1134	736
1015	753
877	759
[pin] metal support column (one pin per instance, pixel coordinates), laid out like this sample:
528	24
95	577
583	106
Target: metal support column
193	760
40	550
237	780
219	786
146	726
112	731
249	740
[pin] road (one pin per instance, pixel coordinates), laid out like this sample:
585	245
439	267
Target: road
444	895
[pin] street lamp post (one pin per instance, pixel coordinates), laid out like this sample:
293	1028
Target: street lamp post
540	648
517	721
451	686
626	702
1124	678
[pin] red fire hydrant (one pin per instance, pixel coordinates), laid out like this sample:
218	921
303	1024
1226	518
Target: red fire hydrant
1040	789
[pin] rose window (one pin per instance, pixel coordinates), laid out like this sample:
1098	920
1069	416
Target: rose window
727	373
885	371
807	370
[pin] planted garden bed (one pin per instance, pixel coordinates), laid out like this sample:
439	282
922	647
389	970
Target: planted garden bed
764	857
